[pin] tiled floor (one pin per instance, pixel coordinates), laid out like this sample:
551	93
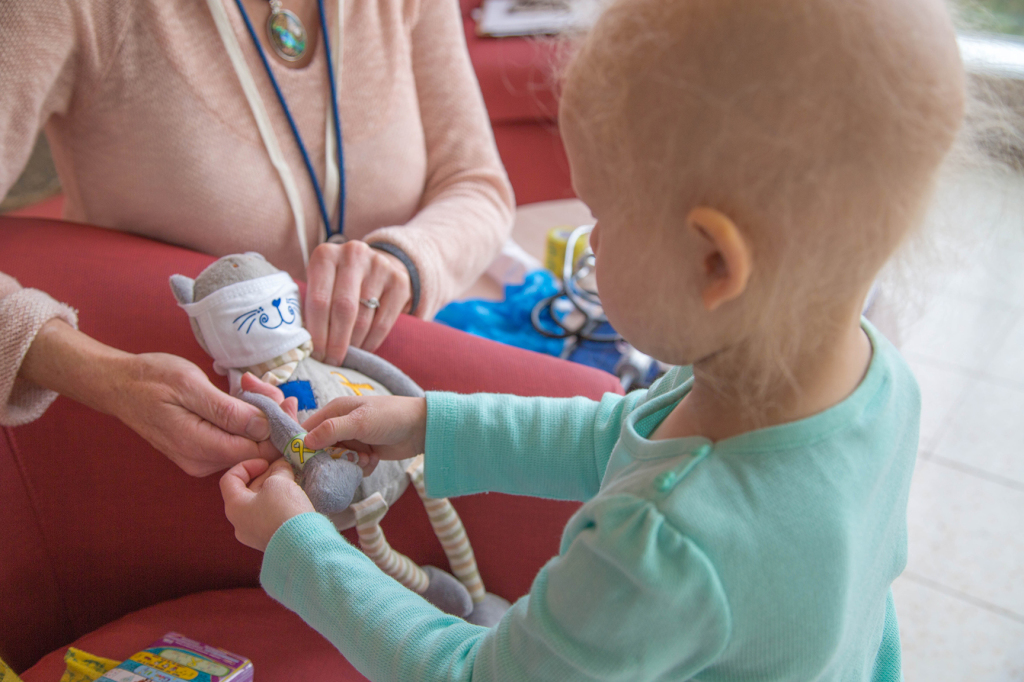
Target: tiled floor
960	322
961	599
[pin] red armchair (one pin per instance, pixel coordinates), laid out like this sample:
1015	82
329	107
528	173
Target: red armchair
518	79
107	545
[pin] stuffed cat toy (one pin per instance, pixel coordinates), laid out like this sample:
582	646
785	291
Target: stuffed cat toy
246	315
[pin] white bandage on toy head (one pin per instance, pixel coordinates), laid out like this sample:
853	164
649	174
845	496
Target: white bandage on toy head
250	322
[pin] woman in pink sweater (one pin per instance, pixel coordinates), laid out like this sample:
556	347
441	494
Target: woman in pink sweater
154	132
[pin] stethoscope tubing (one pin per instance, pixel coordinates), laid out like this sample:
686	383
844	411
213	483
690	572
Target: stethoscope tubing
586	302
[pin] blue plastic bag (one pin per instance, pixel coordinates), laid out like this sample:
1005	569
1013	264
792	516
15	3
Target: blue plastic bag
508	321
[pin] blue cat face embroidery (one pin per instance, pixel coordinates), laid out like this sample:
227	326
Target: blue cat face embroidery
247	319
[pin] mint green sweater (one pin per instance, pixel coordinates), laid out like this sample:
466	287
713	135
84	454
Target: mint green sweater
767	556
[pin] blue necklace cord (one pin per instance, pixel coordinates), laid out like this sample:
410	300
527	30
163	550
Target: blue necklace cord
337	115
295	129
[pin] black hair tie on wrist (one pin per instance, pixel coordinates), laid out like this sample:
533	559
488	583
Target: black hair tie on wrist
414	274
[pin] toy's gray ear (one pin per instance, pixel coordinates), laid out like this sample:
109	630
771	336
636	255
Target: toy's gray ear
182	287
255	254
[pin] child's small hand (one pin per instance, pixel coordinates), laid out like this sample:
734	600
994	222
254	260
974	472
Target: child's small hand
259	498
367	462
387	427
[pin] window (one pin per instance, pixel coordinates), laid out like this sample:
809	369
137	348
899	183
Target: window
994	16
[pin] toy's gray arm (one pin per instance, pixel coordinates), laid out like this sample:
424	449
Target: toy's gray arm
382	371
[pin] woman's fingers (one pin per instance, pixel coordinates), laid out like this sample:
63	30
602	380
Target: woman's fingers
368	463
374	288
291	407
252	384
392	302
172	404
339	277
224	411
320	293
395	297
346	312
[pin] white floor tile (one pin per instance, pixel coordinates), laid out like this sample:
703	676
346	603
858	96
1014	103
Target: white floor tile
959	331
946	639
986	431
941	389
965	533
992	273
1008	363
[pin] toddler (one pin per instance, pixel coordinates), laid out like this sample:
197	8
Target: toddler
751	166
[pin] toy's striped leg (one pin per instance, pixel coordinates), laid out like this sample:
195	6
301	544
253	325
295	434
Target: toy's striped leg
450	531
369	512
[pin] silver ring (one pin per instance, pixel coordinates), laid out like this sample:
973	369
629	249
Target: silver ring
371	303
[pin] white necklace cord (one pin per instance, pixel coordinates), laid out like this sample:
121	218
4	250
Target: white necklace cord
331	180
259	112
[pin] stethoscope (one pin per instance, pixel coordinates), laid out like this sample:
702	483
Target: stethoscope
331	236
585	301
633	367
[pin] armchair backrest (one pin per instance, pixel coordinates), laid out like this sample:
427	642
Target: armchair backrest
95	523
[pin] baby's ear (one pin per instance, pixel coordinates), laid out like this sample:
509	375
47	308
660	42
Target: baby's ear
182	287
727	260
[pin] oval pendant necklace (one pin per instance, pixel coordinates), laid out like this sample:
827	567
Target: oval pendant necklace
286	33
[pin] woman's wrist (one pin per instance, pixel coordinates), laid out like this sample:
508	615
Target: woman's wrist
410	266
75	365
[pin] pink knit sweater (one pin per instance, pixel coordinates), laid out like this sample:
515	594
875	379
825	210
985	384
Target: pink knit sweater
151	133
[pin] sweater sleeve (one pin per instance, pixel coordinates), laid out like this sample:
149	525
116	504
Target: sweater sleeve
22	313
545	447
465	215
631	598
37	68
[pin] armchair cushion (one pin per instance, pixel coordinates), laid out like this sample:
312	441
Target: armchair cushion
244	621
98	524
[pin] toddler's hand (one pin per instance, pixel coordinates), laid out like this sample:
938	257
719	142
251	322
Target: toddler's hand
259	498
290	406
388	427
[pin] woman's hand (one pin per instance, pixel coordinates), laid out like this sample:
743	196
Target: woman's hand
388	427
259	498
367	462
172	404
339	275
165	399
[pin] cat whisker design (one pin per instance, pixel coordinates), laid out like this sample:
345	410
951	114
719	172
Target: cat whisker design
249	318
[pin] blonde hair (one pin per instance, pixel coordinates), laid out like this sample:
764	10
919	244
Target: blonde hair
818	126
